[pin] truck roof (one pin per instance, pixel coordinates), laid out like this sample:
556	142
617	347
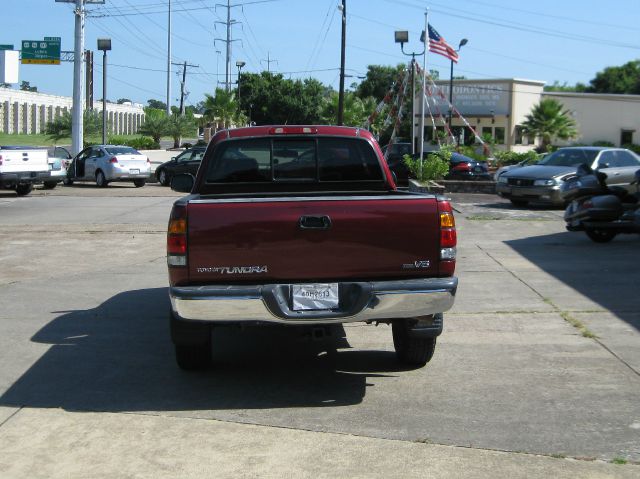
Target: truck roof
282	130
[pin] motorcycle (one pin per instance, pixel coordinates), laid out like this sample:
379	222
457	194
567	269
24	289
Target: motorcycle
602	212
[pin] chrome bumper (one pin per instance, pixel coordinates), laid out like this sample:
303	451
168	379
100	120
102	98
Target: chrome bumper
361	301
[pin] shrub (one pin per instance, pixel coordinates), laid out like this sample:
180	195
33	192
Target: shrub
602	143
139	143
512	157
633	147
432	168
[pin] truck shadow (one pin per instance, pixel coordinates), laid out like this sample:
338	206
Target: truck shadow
118	357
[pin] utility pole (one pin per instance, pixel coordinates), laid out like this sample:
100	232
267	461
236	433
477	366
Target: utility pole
269	62
169	61
183	82
77	124
229	23
342	54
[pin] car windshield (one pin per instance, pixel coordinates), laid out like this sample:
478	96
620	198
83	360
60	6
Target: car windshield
122	150
569	157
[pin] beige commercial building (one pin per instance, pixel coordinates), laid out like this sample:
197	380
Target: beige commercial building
28	112
498	107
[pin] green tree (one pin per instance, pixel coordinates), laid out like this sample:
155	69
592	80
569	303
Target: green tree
179	126
60	127
356	110
123	100
557	86
157	104
221	108
156	124
548	121
622	79
26	86
277	100
378	81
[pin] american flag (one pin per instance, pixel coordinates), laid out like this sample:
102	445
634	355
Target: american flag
439	46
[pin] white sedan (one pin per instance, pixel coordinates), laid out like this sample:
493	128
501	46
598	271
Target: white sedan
106	163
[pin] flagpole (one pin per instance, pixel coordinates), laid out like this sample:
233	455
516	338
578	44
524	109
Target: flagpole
424	89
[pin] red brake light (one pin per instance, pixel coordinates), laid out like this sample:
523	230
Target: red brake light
462	166
448	239
293	130
113	159
177	237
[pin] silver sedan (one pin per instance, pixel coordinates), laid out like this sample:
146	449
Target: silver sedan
541	182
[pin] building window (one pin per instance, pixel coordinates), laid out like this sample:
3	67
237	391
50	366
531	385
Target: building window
487	131
626	137
469	137
499	135
428	133
519	135
440	133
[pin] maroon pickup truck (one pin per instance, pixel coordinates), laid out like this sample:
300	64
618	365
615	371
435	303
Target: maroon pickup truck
303	225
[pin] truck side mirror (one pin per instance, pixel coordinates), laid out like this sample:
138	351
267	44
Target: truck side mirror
182	183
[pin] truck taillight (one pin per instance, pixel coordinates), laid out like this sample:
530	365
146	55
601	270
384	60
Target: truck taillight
448	239
177	237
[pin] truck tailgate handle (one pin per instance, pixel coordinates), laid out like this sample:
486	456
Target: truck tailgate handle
314	222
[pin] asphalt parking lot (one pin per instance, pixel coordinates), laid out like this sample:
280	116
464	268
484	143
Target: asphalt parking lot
536	375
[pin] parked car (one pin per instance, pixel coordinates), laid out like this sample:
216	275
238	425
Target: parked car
106	163
525	162
541	182
21	167
186	162
462	167
58	163
395	159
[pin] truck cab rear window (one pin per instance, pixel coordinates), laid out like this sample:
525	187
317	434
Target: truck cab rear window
294	160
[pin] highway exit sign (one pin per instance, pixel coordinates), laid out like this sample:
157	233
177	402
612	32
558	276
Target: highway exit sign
41	52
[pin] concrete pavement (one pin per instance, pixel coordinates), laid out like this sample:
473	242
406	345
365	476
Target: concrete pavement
89	385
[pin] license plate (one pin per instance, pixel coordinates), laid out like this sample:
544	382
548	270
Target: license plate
134	172
315	296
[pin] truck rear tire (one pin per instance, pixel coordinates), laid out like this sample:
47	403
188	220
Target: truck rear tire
410	350
49	185
23	190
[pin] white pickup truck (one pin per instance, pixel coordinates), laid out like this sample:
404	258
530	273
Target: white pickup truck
21	167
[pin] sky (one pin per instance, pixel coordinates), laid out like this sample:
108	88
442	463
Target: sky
548	40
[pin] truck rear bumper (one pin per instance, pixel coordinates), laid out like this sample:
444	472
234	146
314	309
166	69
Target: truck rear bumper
360	301
23	177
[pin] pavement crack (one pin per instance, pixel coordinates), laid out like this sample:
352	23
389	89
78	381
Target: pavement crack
11	416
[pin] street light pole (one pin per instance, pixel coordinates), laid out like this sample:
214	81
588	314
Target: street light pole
401	37
104	44
463	42
239	64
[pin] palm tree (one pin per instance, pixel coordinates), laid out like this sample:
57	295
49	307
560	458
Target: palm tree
356	111
179	126
60	127
155	126
221	108
548	121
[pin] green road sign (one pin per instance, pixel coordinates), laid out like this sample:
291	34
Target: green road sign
42	52
6	47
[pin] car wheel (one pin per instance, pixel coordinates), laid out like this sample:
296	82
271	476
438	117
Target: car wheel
101	181
49	185
67	182
163	178
23	190
600	236
139	183
411	350
519	202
